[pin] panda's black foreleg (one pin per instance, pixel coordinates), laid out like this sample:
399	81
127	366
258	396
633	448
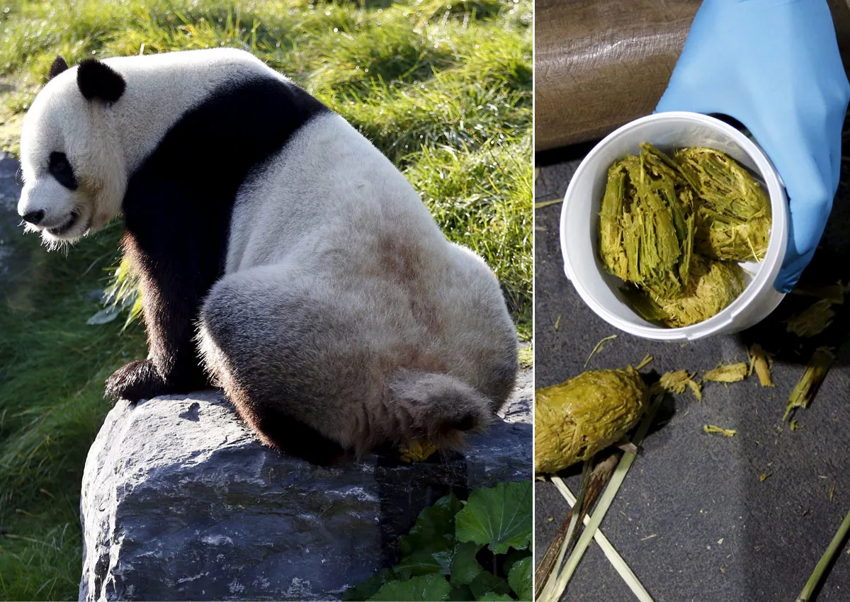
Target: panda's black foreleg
171	294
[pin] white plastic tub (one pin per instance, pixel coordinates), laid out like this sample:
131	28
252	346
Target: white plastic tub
580	225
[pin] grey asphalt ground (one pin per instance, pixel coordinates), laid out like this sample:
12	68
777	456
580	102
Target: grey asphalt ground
693	519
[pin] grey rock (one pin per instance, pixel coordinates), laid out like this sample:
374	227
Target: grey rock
10	191
180	501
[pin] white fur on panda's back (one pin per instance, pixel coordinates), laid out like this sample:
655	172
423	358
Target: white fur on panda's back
328	185
332	210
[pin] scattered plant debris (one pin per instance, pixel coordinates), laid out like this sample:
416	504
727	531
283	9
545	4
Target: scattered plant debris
761	362
811	321
599	347
417	450
543	204
730	373
826	559
712	430
644	362
812	378
676	382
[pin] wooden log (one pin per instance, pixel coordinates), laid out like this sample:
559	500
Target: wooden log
602	63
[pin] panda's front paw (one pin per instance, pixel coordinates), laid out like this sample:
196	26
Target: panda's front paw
135	381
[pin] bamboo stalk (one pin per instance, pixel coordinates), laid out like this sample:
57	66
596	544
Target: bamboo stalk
609	550
598	480
817	575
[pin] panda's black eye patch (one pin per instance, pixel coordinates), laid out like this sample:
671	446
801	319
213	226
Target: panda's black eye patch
61	169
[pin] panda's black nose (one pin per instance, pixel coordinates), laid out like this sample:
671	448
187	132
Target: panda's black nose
34	217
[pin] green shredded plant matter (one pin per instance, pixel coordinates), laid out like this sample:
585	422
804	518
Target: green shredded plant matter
813	320
579	417
712	287
812	378
674	228
731	373
647	359
676	382
733	211
716	430
599	347
543	204
760	362
647	223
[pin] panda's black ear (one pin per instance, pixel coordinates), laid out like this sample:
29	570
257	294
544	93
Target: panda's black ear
98	80
59	65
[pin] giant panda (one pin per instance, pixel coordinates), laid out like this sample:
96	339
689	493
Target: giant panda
282	257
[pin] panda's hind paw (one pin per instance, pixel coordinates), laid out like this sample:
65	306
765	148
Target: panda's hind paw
135	381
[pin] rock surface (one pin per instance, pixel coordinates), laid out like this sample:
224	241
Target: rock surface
180	501
10	191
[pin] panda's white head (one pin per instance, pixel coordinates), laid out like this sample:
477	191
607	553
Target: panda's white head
73	166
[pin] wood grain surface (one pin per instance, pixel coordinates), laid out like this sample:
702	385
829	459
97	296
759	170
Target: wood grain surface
601	63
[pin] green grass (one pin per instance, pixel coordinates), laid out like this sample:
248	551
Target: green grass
52	368
442	87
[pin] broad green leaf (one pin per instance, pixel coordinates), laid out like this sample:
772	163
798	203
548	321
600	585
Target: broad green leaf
435	523
366	589
433	558
424	588
464	565
486	582
430	545
513	556
520	579
499	517
460	594
496	597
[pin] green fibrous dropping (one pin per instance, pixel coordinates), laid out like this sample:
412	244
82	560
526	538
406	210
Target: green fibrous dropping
733	214
712	287
672	228
647	223
576	419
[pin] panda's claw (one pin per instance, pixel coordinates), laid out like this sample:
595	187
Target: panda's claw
135	381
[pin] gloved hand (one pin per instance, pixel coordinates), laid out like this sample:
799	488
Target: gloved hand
774	66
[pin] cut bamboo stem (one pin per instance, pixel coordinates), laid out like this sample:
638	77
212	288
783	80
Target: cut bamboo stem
608	548
598	480
817	575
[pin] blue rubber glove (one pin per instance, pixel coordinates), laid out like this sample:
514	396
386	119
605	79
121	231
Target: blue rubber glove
774	66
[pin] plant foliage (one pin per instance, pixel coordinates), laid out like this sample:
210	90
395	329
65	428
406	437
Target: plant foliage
473	550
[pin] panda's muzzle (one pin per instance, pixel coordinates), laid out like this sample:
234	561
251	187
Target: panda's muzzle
66	227
34	217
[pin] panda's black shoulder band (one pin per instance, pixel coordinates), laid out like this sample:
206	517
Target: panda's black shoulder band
98	80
